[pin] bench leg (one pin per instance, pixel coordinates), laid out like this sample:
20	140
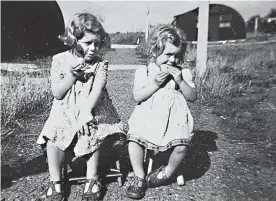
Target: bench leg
120	177
65	177
150	165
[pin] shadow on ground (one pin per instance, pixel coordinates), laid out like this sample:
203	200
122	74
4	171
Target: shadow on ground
32	167
198	161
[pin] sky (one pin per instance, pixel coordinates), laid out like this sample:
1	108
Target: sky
131	16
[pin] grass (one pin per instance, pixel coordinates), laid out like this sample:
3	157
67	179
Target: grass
22	95
236	82
124	56
251	36
129	38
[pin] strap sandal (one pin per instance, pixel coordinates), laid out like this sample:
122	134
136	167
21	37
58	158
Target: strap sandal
54	196
152	179
136	191
89	195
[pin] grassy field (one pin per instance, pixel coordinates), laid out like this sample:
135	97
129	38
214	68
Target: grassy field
239	84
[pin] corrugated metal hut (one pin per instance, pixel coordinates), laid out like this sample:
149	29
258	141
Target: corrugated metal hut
30	29
225	23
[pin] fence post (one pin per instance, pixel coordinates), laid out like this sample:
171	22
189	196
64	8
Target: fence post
147	25
202	37
256	26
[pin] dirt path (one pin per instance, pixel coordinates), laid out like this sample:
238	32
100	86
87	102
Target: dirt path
221	171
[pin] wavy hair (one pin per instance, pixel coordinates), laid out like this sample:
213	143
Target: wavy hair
160	35
87	22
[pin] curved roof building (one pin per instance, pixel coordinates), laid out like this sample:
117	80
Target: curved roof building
225	23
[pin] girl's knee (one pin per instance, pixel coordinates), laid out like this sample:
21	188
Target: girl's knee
135	148
133	144
182	149
51	146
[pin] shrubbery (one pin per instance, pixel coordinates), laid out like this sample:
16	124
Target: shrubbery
129	38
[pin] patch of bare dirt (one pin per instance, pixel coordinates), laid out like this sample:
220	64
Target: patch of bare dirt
218	168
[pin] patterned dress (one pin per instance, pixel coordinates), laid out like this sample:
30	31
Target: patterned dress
62	125
163	120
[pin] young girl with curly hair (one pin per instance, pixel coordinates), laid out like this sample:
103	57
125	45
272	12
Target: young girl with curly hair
161	120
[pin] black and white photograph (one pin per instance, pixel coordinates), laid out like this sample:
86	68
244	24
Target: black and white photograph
138	100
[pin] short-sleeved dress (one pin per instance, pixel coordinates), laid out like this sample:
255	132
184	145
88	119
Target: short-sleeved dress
61	126
164	120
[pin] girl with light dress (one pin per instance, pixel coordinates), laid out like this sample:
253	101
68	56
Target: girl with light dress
161	120
82	114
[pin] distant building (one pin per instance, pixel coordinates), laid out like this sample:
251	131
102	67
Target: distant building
269	26
224	23
271	19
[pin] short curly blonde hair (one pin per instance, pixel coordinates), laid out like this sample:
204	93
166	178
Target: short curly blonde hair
160	35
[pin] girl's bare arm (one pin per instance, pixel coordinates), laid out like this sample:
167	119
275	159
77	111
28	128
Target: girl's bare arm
62	79
98	85
188	92
143	93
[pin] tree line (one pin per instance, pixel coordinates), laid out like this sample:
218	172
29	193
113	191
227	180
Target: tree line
266	24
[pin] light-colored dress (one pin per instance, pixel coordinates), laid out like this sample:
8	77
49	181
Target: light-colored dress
163	120
62	125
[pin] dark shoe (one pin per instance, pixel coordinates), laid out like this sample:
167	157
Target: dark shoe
134	191
89	196
55	196
152	179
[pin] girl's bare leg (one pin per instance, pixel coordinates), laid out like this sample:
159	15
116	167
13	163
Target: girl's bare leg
92	171
55	158
176	158
136	154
